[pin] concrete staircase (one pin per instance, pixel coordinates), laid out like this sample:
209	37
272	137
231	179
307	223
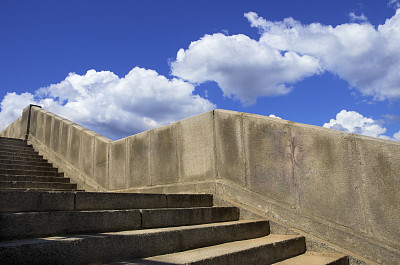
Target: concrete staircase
49	223
21	168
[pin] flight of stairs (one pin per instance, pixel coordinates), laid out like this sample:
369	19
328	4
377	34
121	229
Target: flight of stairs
22	168
45	220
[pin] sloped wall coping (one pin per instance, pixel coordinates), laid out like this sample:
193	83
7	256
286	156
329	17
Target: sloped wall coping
340	187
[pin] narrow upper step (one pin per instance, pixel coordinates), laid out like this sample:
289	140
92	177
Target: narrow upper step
36	184
33	178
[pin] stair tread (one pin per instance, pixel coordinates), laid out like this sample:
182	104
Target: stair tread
206	254
313	258
37	189
51	223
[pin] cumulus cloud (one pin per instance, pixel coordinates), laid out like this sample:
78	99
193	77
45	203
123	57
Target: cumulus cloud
367	57
243	68
354	122
12	106
112	106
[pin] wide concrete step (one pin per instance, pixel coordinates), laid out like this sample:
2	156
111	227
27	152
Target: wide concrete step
28	167
263	250
37	224
126	245
26	201
33	178
316	258
46	172
37	162
33	184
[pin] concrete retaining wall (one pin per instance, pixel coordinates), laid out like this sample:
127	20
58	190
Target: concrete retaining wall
339	187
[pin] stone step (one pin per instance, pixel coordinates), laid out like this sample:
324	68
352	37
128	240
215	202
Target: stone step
27	201
31	172
126	245
38	224
25	162
27	167
15	147
33	178
32	184
263	250
5	155
23	158
37	189
17	153
316	258
11	141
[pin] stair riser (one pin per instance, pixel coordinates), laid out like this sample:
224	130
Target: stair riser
18	201
28	167
33	178
39	189
17	151
41	185
39	224
25	163
36	224
21	157
15	147
12	142
124	245
30	172
176	217
266	253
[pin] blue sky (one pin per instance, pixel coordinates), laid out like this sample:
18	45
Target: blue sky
121	67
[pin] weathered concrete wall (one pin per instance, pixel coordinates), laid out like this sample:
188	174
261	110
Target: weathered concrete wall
339	187
174	158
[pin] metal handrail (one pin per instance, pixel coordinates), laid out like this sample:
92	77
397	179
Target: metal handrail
29	121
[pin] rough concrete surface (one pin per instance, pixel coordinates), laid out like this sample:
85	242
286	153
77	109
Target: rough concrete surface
340	187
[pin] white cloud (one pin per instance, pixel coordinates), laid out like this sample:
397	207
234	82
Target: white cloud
243	68
361	18
256	21
394	3
273	116
367	57
396	136
112	106
354	122
12	106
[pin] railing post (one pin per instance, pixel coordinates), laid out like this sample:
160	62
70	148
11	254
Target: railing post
29	121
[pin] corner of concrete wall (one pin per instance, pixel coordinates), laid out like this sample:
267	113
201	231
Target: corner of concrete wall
71	148
175	158
340	187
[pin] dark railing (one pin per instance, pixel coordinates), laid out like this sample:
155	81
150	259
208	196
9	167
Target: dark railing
29	121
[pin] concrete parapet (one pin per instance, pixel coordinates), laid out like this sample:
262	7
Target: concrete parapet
340	187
